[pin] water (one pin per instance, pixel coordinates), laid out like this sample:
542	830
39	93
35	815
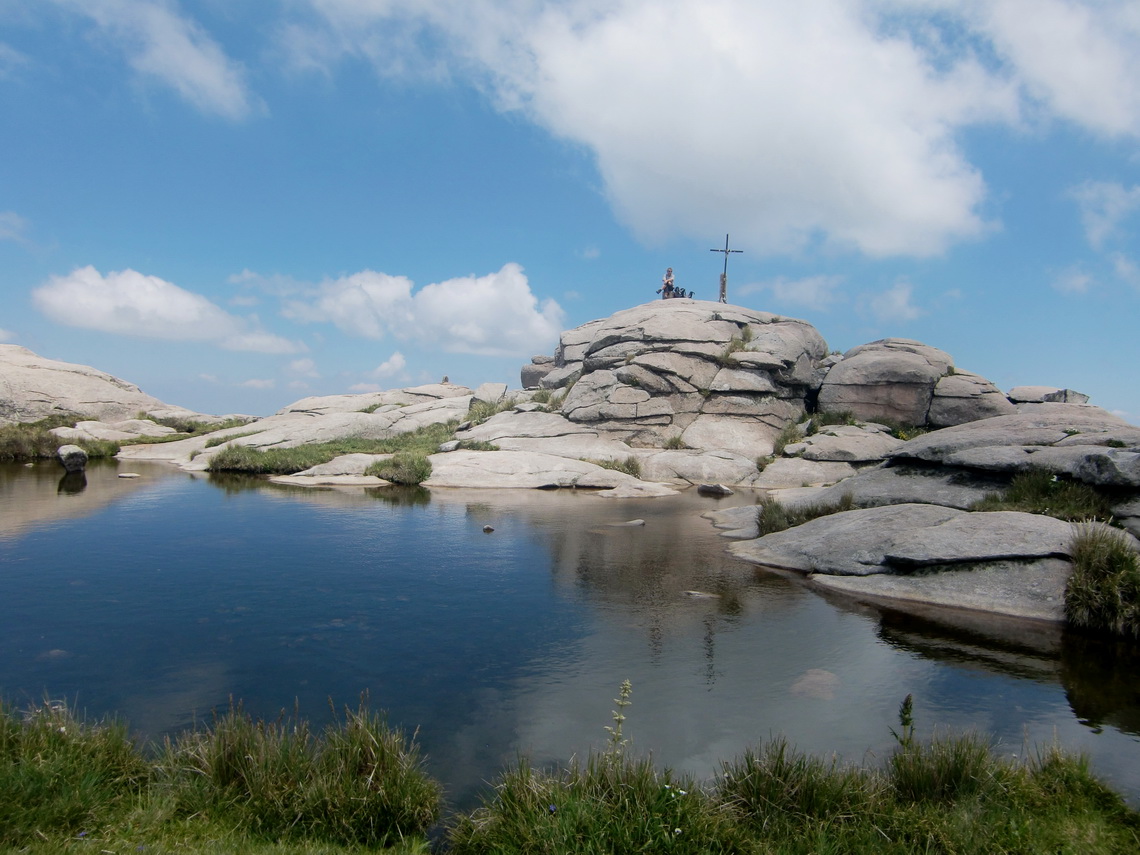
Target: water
162	598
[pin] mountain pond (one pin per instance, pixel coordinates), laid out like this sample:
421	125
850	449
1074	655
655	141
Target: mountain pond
164	598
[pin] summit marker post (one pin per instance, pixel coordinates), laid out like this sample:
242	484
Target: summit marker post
724	275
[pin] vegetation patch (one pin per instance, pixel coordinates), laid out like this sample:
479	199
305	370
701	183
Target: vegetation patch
257	786
791	434
1103	592
35	441
477	445
287	461
215	441
773	516
630	466
675	443
404	468
480	411
828	418
1039	491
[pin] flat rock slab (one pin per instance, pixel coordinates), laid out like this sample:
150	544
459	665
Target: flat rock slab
900	485
530	470
1024	589
798	472
901	538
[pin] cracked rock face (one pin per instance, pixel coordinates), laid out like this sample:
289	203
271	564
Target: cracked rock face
910	383
712	375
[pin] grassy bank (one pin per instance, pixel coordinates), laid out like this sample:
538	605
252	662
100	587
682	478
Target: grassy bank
252	786
35	441
287	461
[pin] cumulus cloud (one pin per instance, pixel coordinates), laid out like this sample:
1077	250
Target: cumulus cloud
492	315
1103	206
304	368
1126	269
836	121
391	366
162	44
13	227
813	292
131	303
1072	280
894	304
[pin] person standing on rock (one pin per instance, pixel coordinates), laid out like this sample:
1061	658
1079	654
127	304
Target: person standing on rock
666	289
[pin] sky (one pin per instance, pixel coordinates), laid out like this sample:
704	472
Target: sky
236	204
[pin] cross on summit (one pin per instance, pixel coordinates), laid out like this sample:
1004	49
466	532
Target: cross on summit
724	275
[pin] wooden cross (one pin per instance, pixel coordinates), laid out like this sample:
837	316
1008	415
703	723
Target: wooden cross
724	275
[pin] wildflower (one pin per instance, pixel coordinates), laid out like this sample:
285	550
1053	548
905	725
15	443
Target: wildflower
676	831
552	808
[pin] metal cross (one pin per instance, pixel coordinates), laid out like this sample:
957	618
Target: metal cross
724	275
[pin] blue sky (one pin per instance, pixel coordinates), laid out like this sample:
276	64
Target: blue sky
235	204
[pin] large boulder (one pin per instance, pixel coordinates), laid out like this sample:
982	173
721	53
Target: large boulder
907	382
34	388
710	375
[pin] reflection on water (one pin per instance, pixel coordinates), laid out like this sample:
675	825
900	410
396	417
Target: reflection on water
162	597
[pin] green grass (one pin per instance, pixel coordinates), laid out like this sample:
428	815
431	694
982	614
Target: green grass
791	434
404	468
1103	592
675	443
35	441
480	411
239	785
245	785
1038	491
773	516
630	466
825	419
286	461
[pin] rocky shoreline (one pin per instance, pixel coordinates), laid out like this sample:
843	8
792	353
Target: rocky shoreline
690	393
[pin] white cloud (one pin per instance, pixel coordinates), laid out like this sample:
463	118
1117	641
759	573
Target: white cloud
1103	207
1079	58
894	304
256	383
131	303
836	121
13	227
164	45
1127	269
391	366
10	59
812	292
6	335
492	315
304	368
1072	280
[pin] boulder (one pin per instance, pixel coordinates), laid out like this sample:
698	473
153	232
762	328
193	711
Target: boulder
845	443
910	383
1045	395
73	458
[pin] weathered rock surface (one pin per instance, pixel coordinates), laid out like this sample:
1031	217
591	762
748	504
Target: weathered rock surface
33	388
903	538
719	377
531	470
910	383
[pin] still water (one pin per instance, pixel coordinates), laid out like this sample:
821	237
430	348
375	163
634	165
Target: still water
161	598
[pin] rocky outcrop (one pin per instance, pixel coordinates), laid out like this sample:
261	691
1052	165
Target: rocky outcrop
33	388
910	383
708	375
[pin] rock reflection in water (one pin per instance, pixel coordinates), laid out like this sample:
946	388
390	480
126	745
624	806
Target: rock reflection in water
1101	682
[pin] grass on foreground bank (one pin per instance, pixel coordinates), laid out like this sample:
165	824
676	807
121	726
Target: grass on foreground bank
246	786
1039	491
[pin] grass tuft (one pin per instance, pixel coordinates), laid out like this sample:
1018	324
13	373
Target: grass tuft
1103	592
773	516
404	468
630	466
286	461
35	441
791	434
1039	491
